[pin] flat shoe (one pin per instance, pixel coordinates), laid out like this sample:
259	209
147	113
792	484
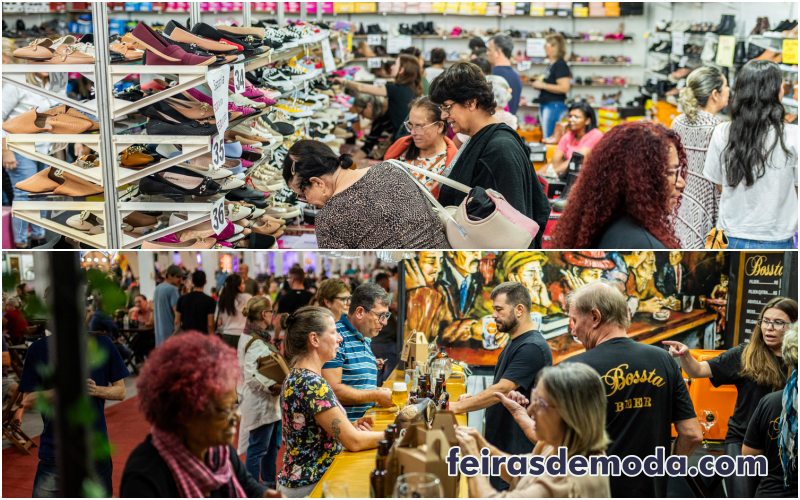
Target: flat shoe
87	222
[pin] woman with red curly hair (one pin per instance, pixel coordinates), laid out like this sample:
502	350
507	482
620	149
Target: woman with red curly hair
187	391
627	192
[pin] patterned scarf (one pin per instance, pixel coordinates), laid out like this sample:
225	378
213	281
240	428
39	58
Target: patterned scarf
787	441
196	479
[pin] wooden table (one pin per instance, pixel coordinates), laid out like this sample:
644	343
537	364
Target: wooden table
353	468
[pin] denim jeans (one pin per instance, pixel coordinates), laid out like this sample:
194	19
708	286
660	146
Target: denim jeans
550	113
742	244
25	169
45	483
262	452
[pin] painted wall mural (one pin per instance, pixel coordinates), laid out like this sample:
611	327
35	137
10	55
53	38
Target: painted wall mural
669	294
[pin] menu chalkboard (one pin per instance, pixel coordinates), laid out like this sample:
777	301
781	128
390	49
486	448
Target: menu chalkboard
758	277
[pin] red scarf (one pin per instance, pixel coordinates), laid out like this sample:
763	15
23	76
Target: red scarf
195	478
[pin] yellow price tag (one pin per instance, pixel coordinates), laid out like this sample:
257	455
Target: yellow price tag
790	51
349	42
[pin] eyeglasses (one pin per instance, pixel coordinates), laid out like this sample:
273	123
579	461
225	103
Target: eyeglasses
382	317
345	299
411	127
540	404
777	324
228	413
446	107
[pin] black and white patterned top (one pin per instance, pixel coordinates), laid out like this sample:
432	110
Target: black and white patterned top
699	208
383	210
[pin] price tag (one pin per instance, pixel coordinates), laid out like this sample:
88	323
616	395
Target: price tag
534	47
217	152
374	39
725	49
238	78
218	221
327	56
678	41
218	81
523	66
394	44
790	51
374	62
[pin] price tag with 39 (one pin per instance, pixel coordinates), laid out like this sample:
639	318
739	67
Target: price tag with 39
238	78
217	152
218	221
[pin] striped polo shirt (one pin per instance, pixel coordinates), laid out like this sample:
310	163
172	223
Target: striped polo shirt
355	358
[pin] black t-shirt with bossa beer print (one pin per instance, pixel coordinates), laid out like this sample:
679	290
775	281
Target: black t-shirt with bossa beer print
762	434
646	393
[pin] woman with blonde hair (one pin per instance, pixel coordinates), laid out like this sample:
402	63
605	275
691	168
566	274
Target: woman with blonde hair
554	85
706	94
755	368
567	409
260	429
334	295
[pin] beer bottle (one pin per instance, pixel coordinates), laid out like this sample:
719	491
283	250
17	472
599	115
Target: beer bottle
377	479
444	401
412	397
389	434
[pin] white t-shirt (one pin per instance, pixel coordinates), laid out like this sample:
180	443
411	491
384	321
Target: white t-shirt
431	73
234	324
767	210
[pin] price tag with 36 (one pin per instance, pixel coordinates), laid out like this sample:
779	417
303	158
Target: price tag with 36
218	221
217	152
238	78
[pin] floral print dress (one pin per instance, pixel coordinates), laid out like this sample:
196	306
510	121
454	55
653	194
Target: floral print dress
309	448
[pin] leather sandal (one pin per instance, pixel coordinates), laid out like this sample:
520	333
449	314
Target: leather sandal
88	161
87	222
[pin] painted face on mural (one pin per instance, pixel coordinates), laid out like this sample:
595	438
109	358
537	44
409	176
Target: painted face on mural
675	257
465	262
590	274
530	275
430	263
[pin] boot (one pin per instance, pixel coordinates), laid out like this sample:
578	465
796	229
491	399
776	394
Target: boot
739	54
727	25
361	29
429	29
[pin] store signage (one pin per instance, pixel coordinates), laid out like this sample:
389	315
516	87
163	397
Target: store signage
327	56
374	62
534	47
218	221
218	81
395	44
761	277
678	41
523	66
790	51
374	40
238	78
725	49
217	152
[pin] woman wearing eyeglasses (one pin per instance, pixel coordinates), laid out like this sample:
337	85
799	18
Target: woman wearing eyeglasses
333	295
376	207
755	368
187	392
427	146
567	408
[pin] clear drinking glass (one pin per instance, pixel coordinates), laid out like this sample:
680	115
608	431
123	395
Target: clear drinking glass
335	489
708	419
418	485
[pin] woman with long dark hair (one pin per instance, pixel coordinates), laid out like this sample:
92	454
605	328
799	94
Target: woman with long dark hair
753	160
706	94
230	320
582	136
755	368
627	191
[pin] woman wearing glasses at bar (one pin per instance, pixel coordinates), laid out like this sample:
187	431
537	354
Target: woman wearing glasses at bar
427	146
755	368
333	295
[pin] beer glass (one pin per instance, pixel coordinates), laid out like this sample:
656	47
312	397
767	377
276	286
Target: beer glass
399	394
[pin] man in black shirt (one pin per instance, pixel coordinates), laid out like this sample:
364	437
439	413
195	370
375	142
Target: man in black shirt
195	310
645	390
526	353
296	296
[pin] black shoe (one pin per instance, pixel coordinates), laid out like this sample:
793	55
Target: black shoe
740	54
189	127
248	195
170	182
204	30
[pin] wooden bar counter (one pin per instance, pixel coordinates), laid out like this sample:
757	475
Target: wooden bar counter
353	468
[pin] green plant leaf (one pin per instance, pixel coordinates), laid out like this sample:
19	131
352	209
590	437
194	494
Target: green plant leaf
10	282
93	489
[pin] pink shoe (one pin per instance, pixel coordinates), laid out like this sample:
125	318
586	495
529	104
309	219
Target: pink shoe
200	96
246	163
244	110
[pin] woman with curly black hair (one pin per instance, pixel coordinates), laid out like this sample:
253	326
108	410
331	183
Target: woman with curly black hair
627	192
753	161
495	156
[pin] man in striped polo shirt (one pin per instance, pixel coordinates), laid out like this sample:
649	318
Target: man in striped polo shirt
353	373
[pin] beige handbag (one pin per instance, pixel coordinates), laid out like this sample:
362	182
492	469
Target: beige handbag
272	366
505	228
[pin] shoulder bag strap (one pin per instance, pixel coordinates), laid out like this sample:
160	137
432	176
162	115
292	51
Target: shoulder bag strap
439	178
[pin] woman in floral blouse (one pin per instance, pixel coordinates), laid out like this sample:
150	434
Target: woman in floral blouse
315	426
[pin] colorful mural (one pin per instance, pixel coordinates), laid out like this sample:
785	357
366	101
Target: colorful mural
448	294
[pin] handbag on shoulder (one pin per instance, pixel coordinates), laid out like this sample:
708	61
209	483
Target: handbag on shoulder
273	365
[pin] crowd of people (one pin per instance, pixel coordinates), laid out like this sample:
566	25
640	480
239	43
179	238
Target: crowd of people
649	186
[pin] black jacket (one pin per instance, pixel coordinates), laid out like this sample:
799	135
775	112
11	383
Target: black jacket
497	158
147	475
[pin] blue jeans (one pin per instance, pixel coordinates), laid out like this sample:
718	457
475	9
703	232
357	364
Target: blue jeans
45	483
25	169
742	244
262	452
550	113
